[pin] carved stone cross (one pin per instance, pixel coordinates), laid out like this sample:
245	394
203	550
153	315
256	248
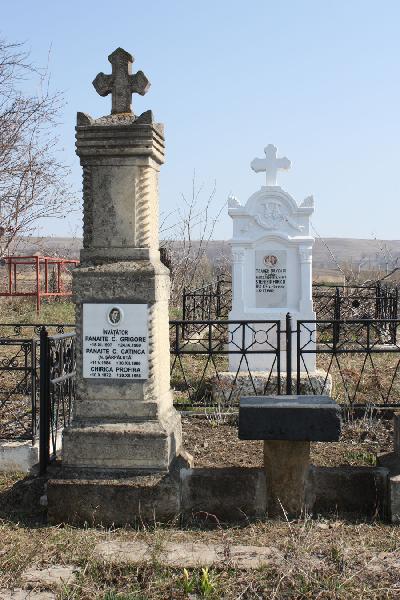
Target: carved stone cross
121	84
271	164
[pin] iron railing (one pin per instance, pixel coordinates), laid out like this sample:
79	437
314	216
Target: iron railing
213	363
377	301
203	351
359	358
57	391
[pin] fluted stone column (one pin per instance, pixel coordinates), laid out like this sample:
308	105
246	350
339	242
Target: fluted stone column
121	422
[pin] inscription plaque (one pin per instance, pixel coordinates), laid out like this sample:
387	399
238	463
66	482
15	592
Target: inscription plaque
115	341
271	282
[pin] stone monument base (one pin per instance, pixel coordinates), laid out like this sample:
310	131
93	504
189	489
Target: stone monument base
229	386
146	446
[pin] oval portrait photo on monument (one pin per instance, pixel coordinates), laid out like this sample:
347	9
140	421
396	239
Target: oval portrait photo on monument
270	260
115	315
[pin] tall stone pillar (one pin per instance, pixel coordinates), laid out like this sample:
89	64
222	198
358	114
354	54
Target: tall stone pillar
123	415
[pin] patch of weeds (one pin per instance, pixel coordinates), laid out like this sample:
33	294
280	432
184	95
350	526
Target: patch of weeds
202	583
113	595
361	457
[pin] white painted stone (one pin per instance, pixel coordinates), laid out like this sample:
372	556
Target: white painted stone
271	164
272	266
20	457
115	341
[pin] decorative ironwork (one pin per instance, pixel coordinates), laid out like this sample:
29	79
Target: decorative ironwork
378	301
361	355
57	390
200	352
18	389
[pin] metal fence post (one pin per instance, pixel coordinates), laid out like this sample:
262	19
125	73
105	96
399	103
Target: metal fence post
289	354
336	316
44	409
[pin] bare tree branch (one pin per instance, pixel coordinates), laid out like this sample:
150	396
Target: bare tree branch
33	179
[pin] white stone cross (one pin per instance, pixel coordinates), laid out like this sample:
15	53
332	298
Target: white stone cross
121	84
271	164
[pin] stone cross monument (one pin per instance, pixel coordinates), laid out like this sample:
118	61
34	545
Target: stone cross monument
272	260
123	419
271	164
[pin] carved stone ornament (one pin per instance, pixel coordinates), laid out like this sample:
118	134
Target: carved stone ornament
274	215
305	255
238	255
233	202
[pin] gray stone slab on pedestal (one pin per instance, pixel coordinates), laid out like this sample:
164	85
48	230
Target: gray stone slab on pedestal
291	418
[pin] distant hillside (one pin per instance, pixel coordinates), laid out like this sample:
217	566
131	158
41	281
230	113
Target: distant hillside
361	254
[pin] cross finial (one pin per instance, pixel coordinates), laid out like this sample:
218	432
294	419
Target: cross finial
271	164
121	83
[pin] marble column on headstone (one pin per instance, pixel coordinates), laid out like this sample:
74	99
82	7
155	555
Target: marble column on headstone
123	417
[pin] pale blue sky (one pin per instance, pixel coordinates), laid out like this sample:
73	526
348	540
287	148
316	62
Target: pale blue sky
319	79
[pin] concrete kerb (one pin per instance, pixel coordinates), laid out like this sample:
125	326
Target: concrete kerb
213	495
21	456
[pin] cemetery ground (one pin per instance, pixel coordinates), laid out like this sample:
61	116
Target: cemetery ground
309	558
319	557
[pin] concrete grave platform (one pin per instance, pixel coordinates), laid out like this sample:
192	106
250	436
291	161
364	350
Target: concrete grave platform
292	418
230	386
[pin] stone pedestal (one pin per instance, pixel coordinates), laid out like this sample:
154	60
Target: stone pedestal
286	467
123	417
288	424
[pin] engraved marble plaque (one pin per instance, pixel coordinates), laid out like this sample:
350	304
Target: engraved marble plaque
270	279
115	341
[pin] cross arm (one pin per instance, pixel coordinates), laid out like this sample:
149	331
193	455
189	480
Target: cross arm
102	84
139	83
284	163
258	164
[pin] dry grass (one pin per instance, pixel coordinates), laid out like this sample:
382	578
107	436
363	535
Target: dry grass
322	558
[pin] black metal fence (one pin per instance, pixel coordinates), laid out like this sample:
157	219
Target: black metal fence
375	301
36	371
57	391
213	363
359	359
210	358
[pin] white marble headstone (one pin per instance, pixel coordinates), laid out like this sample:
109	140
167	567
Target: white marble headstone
272	257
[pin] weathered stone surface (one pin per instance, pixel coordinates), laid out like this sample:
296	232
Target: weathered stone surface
358	490
286	467
294	418
121	83
229	386
144	498
121	425
394	499
150	445
232	494
189	555
49	577
396	432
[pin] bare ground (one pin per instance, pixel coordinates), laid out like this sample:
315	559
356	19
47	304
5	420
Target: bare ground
215	444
